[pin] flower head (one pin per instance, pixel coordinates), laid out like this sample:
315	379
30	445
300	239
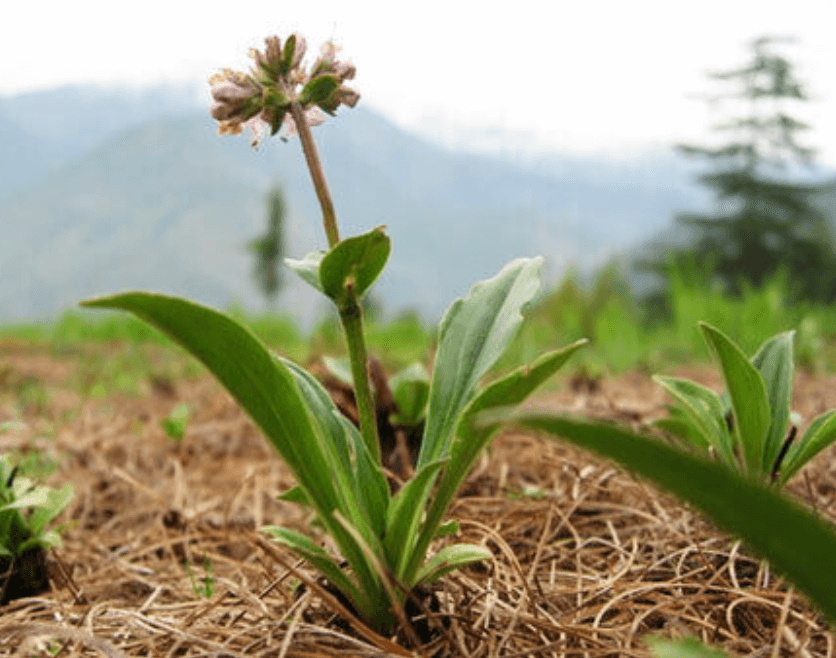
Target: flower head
261	99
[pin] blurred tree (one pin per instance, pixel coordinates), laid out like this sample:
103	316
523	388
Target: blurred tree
764	220
269	247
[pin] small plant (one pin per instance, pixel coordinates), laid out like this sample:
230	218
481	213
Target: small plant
748	428
202	587
174	425
24	537
384	539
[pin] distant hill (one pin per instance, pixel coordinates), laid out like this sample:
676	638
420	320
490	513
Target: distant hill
121	189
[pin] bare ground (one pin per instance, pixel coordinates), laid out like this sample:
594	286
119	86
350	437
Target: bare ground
163	557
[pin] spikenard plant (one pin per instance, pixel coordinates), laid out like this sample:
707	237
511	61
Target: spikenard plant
385	539
748	428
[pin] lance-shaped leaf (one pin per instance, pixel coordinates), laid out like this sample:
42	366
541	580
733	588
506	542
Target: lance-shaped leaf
747	393
820	434
267	391
410	388
705	410
797	543
354	262
473	334
449	559
774	361
471	438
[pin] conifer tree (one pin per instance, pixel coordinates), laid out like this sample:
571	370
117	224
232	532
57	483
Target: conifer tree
764	220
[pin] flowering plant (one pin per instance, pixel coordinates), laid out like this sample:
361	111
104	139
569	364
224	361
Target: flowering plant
384	539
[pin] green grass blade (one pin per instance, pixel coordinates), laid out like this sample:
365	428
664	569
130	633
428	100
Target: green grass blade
797	543
774	360
748	396
473	334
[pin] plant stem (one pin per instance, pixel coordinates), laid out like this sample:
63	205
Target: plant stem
351	316
351	313
329	217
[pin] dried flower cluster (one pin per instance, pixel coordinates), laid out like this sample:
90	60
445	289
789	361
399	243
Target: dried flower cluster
263	97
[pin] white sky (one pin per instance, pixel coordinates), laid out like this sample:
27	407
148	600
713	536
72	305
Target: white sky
583	77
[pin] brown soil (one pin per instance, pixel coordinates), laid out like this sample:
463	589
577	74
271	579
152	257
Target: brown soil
162	556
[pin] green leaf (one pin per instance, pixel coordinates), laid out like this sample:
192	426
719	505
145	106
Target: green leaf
747	393
56	501
308	268
404	516
449	559
512	389
820	434
339	368
473	334
319	559
410	388
366	509
796	543
354	262
174	425
705	410
774	360
295	495
268	391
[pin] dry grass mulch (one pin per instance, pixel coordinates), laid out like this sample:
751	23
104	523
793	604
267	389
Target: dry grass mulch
163	556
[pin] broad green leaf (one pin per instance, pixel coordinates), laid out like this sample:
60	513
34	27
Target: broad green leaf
363	487
510	390
677	424
747	393
449	559
796	543
354	262
308	268
704	408
820	434
411	388
774	360
473	334
265	388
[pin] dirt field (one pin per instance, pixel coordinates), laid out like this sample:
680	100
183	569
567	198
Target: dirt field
163	556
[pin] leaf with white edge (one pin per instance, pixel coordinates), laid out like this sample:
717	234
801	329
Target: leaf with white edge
747	393
774	360
308	268
803	550
354	262
473	334
820	434
449	559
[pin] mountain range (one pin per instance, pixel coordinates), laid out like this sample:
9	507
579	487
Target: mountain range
106	189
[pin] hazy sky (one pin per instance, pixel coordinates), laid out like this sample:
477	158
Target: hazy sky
612	76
